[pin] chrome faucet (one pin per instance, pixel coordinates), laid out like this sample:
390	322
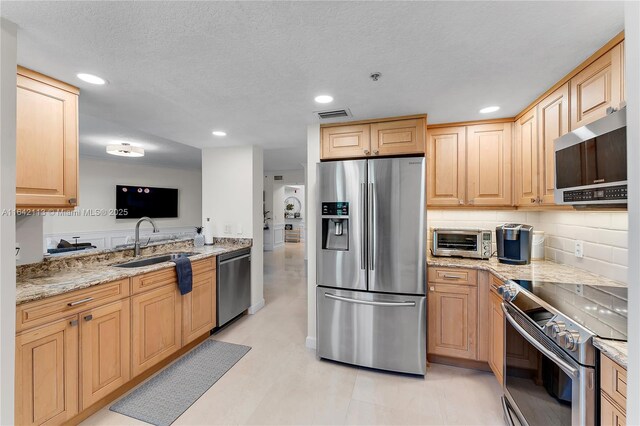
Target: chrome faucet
136	246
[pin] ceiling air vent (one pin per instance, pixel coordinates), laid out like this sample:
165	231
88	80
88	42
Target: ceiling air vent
277	178
334	113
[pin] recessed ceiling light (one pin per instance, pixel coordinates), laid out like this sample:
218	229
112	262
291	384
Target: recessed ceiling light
324	99
489	109
125	150
219	133
90	78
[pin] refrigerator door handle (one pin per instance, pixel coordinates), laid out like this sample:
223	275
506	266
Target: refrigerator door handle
363	229
368	302
371	235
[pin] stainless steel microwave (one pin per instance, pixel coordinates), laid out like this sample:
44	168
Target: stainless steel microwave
591	163
461	242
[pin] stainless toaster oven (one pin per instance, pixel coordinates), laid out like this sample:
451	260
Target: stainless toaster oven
459	242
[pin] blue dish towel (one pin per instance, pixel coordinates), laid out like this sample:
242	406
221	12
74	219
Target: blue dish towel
185	275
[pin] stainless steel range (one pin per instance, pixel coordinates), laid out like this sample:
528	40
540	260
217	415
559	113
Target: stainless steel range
550	363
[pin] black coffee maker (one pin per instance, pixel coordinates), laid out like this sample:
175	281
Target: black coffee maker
514	243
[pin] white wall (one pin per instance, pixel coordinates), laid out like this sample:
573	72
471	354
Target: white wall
98	180
8	64
232	185
313	158
604	234
632	85
29	239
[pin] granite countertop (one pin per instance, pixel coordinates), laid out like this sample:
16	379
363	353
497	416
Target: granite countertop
542	270
614	349
57	276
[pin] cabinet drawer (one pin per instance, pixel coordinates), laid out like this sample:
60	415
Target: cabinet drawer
613	381
45	311
151	280
453	276
495	284
204	265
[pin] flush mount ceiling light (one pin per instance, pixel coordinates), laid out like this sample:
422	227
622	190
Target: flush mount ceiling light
219	133
489	109
90	78
323	99
125	150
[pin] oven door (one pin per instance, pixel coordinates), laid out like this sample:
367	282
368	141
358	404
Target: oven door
543	385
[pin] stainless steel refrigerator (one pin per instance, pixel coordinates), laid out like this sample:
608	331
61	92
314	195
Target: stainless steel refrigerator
371	264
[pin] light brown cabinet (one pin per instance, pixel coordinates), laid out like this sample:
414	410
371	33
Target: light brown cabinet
350	141
526	163
489	164
553	122
199	307
373	138
597	87
46	142
469	165
446	166
610	414
156	326
496	348
613	396
453	316
105	355
47	373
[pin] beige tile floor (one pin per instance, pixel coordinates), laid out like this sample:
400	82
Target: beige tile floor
281	382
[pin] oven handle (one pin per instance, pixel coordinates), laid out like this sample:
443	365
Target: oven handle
566	367
507	412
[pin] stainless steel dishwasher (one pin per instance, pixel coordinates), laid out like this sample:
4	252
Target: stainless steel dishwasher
234	284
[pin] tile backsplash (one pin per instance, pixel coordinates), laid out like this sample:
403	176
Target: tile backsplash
604	234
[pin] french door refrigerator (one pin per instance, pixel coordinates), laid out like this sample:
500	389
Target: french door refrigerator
371	264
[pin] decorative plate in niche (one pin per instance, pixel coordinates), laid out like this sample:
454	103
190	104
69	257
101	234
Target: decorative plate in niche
292	206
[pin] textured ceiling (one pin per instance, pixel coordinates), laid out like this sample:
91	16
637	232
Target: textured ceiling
178	70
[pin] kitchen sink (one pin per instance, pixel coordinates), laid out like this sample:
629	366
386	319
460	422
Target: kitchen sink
153	260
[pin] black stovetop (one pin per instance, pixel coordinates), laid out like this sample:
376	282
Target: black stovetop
601	309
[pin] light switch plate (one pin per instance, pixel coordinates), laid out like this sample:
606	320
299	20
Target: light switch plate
227	229
579	249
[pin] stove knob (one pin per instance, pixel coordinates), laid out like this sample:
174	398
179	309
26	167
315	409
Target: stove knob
571	340
555	328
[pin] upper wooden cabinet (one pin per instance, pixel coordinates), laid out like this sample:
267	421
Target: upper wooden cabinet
553	122
446	166
373	138
526	159
597	87
489	164
346	141
46	142
398	137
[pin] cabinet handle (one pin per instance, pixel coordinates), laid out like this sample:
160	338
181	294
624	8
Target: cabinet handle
533	200
452	277
432	288
461	201
366	152
80	302
88	317
73	200
73	323
375	152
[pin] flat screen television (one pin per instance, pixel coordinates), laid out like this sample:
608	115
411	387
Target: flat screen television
134	202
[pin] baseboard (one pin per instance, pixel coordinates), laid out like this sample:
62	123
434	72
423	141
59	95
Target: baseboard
459	362
255	308
310	342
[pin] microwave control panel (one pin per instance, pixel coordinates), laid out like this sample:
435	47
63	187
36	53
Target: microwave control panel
596	194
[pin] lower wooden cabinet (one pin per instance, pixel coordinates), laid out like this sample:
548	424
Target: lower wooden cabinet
496	347
452	311
199	307
105	355
156	327
610	414
47	373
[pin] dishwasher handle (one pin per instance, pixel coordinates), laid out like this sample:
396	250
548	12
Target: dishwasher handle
222	262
